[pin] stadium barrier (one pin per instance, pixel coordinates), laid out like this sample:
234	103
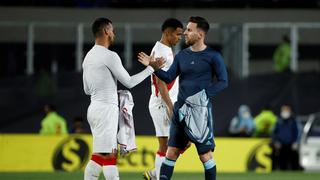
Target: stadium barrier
35	153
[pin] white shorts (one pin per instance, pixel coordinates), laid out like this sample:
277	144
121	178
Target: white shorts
103	121
161	121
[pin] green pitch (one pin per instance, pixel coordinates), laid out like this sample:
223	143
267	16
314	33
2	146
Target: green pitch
177	176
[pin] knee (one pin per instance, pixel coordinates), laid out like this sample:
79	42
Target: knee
173	153
205	156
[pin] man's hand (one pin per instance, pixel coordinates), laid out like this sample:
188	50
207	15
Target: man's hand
295	146
277	145
157	64
123	150
146	60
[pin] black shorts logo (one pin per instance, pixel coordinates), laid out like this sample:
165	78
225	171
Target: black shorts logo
71	154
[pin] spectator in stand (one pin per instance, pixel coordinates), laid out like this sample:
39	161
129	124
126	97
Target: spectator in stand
78	126
281	56
53	123
242	125
264	122
285	141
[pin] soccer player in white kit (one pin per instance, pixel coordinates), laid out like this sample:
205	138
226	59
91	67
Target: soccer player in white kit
102	68
163	95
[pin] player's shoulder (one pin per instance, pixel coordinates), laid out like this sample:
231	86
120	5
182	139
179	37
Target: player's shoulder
183	52
161	48
214	54
212	51
111	54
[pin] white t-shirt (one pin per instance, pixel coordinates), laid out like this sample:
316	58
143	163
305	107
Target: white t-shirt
161	50
101	70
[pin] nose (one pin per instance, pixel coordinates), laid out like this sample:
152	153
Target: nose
185	32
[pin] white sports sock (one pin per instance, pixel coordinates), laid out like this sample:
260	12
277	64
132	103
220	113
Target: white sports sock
111	172
92	171
158	163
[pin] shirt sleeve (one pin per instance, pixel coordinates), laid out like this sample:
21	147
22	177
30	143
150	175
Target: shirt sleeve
121	74
221	76
171	74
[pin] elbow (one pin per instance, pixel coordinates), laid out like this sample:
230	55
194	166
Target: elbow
129	83
129	86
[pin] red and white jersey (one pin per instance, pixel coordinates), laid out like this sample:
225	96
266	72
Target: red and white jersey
161	50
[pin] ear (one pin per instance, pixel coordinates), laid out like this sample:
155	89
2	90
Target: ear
105	31
166	32
201	34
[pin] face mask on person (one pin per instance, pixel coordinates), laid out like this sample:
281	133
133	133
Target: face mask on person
285	114
246	115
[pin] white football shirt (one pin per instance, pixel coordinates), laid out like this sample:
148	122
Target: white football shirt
101	70
161	50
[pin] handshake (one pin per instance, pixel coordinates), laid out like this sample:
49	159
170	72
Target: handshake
155	63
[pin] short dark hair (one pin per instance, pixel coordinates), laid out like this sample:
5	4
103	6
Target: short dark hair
51	107
98	26
171	23
201	22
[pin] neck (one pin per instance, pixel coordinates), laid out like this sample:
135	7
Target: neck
102	42
164	41
198	46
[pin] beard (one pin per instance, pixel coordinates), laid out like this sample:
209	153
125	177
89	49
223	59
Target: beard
189	42
111	39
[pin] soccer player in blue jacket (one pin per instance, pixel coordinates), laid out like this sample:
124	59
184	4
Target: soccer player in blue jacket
199	68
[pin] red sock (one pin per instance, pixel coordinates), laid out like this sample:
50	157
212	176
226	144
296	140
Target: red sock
161	154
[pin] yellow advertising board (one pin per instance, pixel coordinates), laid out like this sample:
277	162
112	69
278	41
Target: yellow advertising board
70	153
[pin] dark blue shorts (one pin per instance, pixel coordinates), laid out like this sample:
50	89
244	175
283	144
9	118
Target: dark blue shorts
178	137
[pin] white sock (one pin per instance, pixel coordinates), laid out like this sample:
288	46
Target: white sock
158	163
92	171
111	172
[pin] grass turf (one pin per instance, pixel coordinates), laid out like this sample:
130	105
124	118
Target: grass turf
177	176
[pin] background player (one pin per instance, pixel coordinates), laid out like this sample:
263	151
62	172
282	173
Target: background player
163	95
